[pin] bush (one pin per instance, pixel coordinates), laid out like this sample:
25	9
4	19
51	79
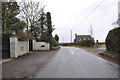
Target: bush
6	35
87	43
64	44
53	42
23	36
46	37
113	41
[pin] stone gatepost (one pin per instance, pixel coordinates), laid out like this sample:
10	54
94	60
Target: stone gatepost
33	44
13	47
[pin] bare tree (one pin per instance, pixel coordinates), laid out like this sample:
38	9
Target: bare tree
115	24
30	13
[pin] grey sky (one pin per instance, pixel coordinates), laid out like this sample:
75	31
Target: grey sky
68	14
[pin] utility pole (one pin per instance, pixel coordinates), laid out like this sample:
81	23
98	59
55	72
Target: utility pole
71	36
91	31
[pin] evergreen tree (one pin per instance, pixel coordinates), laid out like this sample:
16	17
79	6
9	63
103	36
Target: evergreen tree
9	12
56	37
49	23
50	29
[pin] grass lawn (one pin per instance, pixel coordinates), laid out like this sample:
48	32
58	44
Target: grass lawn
55	47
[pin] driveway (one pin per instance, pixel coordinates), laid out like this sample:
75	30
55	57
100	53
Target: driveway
71	62
26	66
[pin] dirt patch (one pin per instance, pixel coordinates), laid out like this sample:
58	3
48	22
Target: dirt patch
27	66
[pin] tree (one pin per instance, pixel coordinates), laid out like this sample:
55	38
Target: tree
18	26
9	12
56	37
49	23
31	12
0	19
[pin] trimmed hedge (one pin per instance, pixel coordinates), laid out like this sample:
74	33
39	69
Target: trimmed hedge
113	41
87	43
64	44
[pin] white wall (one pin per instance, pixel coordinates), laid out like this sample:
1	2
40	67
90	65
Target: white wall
18	48
37	45
22	47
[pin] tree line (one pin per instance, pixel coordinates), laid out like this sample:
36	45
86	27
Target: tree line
28	18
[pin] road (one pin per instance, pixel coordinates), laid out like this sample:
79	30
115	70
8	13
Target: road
71	62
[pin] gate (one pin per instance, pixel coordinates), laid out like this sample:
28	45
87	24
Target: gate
30	45
5	47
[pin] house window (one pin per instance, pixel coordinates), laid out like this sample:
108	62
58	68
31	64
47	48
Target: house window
87	38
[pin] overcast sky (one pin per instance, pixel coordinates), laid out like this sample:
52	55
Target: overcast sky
68	14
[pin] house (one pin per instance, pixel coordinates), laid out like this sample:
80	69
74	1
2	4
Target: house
82	37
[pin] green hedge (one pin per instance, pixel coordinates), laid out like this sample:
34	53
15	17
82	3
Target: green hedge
113	41
64	44
87	43
6	35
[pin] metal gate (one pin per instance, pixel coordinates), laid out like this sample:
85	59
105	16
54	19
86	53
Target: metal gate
5	47
30	45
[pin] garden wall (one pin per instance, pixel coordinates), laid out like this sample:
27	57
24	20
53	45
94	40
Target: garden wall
41	45
18	48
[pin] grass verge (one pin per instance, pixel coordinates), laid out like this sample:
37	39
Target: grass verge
110	57
55	47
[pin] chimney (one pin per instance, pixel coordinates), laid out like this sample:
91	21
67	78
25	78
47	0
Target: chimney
75	35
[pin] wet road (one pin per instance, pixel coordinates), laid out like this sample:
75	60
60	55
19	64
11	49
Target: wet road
70	62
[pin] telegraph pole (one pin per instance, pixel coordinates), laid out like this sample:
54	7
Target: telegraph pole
71	36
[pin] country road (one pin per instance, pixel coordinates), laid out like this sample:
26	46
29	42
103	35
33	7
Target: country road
71	62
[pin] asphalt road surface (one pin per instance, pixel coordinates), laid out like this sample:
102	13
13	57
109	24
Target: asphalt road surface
70	62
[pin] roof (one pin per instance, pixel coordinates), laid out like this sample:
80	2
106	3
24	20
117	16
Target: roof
83	36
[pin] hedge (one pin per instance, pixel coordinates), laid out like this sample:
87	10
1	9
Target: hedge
87	43
113	41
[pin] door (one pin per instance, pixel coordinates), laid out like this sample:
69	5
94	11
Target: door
30	45
5	47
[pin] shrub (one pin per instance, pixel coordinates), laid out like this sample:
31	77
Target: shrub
113	41
23	36
64	44
5	36
53	42
87	43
